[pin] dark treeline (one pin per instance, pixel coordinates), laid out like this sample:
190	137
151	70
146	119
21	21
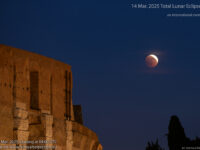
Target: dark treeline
177	140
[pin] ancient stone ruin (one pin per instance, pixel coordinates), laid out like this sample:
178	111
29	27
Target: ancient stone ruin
36	106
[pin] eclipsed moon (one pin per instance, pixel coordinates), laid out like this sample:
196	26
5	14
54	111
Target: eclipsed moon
151	60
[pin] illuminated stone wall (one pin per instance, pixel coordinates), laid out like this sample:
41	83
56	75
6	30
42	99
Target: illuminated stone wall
36	102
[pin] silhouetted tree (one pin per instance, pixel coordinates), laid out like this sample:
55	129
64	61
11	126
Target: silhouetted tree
176	138
176	134
153	146
195	142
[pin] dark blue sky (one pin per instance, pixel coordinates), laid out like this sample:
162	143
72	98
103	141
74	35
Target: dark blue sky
106	42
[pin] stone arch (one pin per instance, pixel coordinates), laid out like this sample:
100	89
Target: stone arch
94	147
83	141
99	147
93	142
87	144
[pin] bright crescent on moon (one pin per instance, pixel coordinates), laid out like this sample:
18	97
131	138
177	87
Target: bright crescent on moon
151	60
155	57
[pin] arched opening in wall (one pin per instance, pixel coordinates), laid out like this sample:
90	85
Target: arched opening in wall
36	130
97	146
34	90
94	147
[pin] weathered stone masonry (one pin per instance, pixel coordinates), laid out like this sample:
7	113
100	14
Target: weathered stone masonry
36	102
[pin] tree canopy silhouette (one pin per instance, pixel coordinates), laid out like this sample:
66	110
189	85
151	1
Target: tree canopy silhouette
176	134
177	139
153	146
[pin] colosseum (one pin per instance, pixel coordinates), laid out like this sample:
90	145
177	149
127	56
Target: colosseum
36	108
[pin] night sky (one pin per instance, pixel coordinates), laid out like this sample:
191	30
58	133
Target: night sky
106	42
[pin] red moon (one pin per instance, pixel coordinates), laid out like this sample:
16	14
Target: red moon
151	60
